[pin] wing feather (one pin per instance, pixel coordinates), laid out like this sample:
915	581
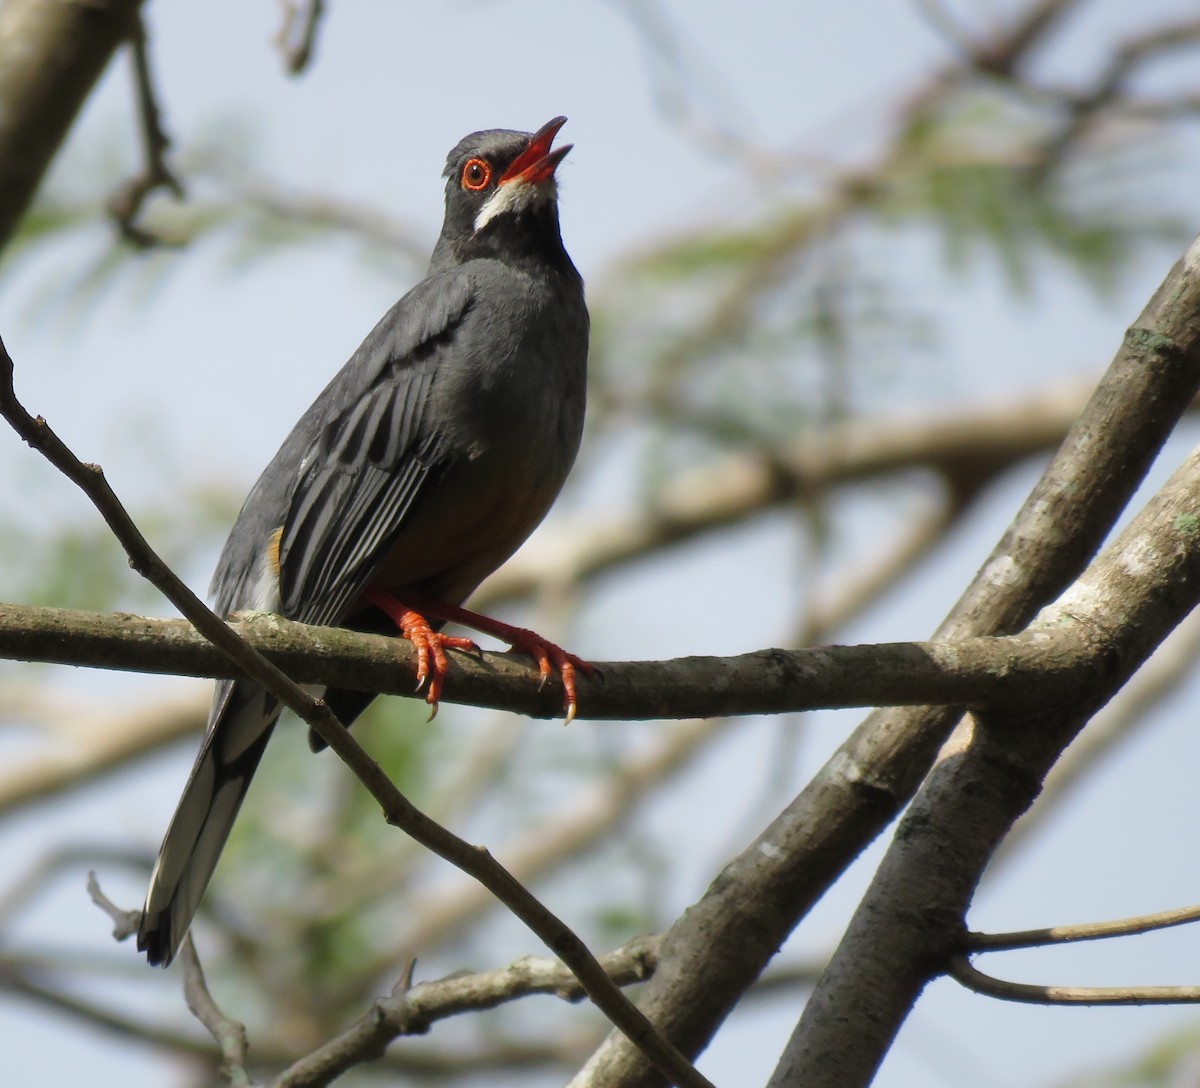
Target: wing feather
365	470
348	475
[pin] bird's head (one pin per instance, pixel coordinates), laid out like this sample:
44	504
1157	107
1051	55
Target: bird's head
501	182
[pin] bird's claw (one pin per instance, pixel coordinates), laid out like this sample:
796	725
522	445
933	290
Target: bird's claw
431	647
550	658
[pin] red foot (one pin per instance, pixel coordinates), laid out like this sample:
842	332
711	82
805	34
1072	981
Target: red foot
548	655
430	645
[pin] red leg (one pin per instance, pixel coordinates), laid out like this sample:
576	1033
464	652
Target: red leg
548	655
430	645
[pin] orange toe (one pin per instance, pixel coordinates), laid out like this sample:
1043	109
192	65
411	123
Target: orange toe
430	645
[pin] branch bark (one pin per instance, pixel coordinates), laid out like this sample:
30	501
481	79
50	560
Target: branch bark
975	671
911	921
722	943
54	53
397	809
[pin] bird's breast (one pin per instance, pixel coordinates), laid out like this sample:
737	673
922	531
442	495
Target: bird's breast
510	417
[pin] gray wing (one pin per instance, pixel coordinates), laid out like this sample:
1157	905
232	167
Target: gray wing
368	469
348	474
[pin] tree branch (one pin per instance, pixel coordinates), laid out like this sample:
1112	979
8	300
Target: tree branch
411	1009
972	671
125	922
229	1034
720	945
53	55
298	33
1131	710
963	971
1086	931
397	809
909	923
125	204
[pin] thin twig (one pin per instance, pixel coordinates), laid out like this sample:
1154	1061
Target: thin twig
398	810
298	33
126	203
1087	931
27	886
125	922
962	971
28	979
230	1034
410	1010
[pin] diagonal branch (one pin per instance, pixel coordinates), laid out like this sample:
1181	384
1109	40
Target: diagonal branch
909	924
721	944
297	36
397	809
53	56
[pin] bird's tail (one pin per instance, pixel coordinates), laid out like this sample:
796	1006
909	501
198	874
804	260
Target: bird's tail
240	725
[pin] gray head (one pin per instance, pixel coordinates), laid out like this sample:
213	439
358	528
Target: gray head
501	193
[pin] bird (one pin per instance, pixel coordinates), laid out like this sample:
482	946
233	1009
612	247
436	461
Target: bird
423	465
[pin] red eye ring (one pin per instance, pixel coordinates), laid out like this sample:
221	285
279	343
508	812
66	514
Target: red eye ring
476	175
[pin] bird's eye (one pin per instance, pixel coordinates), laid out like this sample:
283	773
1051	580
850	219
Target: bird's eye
476	174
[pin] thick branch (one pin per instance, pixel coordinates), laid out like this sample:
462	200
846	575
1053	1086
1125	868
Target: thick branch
1132	710
909	923
721	944
52	55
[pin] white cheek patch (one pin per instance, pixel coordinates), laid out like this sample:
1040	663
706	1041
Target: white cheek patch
514	196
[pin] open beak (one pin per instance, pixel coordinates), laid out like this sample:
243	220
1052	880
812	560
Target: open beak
537	163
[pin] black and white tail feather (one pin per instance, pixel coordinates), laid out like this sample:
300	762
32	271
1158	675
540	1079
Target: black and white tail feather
243	717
